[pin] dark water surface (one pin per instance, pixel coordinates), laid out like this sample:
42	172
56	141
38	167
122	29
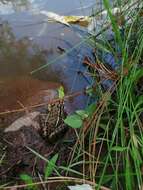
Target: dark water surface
27	42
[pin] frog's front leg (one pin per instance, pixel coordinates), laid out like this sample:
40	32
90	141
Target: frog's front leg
58	133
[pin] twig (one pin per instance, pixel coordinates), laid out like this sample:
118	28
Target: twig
42	104
58	180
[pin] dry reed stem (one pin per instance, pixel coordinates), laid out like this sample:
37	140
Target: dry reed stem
58	180
42	104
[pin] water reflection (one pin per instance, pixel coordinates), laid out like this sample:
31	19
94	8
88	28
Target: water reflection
19	56
15	5
63	7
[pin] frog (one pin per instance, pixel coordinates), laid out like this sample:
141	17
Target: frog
51	121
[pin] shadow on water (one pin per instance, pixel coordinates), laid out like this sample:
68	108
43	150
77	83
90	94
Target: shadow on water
27	42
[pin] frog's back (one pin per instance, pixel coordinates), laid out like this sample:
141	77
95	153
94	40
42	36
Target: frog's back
52	126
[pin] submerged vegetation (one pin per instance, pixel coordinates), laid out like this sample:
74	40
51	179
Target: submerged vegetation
107	149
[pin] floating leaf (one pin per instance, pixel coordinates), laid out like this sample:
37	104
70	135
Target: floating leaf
51	165
67	20
74	121
81	20
61	92
54	17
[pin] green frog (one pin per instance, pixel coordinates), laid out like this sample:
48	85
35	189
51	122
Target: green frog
52	126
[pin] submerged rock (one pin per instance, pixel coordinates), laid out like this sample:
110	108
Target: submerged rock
26	120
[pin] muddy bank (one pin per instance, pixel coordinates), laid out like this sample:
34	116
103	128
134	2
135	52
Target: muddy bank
18	159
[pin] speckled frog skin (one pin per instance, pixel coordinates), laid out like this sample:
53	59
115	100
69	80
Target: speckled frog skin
52	126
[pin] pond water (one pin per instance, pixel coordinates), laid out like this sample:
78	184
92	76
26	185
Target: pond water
28	41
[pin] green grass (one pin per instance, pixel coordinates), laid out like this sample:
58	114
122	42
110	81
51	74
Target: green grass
114	154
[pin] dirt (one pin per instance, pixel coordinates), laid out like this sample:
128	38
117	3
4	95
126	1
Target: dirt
19	159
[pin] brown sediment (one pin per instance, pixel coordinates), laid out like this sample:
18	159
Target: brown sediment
25	91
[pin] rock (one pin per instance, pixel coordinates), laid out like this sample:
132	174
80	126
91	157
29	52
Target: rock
26	120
